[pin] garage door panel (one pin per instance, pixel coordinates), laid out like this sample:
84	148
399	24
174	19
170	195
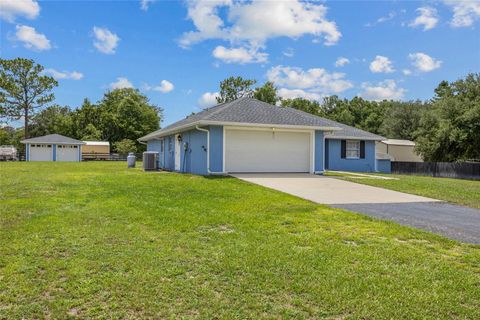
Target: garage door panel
267	151
41	152
67	153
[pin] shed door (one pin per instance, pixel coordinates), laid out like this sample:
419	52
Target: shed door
67	153
41	152
267	151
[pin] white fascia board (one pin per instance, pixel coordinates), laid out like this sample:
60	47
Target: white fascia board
353	138
237	124
169	132
268	125
50	142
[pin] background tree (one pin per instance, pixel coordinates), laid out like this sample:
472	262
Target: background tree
23	89
402	119
235	87
450	130
86	121
302	104
357	112
267	93
90	133
53	119
11	136
125	146
127	114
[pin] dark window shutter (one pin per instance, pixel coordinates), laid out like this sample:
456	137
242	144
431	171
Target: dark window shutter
362	149
344	149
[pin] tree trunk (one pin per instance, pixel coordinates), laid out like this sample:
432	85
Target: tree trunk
26	123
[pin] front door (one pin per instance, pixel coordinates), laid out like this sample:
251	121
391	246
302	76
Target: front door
178	146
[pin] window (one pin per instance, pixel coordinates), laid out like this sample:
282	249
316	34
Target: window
170	145
353	149
161	145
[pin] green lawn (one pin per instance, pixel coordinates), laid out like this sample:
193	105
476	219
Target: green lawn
95	240
461	191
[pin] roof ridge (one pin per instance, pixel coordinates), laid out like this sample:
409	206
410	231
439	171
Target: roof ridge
225	106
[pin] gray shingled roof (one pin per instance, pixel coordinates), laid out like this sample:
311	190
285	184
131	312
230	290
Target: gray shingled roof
252	111
352	132
53	138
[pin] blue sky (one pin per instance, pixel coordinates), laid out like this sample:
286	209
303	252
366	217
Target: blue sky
177	52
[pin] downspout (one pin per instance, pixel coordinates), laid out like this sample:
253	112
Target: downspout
208	147
208	151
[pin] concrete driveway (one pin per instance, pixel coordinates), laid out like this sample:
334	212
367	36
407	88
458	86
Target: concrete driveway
453	221
328	190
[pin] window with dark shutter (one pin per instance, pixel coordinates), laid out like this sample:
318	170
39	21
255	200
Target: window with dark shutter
362	149
344	149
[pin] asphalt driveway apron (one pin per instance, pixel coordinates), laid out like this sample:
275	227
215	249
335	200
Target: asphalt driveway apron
452	221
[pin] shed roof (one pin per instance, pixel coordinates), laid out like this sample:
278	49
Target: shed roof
53	138
398	142
249	111
97	143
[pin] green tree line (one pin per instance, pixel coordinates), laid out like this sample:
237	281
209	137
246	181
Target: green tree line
120	117
445	128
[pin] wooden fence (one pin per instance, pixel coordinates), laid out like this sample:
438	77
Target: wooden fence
108	156
461	170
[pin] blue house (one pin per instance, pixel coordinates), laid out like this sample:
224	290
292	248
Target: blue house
248	135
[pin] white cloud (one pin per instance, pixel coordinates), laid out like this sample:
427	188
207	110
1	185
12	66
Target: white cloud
59	75
289	52
341	61
121	83
208	99
105	40
164	87
31	38
253	23
428	18
385	90
10	9
145	4
407	72
424	62
239	55
298	93
383	19
465	12
316	80
381	64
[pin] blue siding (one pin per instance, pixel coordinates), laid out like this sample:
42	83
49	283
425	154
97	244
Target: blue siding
54	150
384	166
170	153
193	159
216	148
335	162
27	152
153	145
319	151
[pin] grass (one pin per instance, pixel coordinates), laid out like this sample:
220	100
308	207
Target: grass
460	191
95	240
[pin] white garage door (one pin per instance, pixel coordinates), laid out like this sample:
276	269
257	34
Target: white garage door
267	151
67	153
41	152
